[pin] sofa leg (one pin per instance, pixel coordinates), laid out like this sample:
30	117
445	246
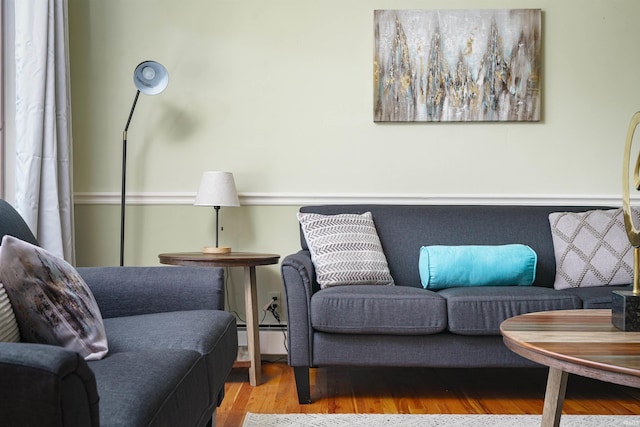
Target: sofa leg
302	384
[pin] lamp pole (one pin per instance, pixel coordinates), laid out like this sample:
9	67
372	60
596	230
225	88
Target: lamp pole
150	78
217	208
124	177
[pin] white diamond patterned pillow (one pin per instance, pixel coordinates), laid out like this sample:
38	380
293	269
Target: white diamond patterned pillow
591	248
345	249
51	302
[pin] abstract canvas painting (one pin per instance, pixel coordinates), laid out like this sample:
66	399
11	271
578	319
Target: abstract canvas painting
457	65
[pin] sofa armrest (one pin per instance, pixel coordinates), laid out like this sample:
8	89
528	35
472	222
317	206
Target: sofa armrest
128	291
298	276
46	386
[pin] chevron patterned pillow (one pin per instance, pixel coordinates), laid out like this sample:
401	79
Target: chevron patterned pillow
591	248
9	331
345	249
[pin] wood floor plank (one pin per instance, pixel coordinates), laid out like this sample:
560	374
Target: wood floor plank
417	391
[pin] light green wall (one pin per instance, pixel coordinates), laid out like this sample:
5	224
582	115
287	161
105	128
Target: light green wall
280	93
152	230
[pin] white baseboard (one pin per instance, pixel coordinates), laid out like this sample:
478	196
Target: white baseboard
272	340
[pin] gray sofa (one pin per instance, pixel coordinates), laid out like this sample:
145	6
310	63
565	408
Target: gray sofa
171	348
406	325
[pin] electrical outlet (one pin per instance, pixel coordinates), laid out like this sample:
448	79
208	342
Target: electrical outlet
273	300
275	303
275	295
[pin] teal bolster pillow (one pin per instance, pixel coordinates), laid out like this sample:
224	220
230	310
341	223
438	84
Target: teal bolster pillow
452	266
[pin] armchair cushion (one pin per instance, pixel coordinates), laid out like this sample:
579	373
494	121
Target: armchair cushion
129	291
13	224
52	303
210	333
153	388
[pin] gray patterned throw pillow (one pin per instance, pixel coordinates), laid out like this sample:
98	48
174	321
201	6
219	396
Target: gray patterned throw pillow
51	302
345	249
591	248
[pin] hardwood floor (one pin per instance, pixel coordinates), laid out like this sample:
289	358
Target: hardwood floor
417	391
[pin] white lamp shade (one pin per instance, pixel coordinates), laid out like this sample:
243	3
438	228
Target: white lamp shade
217	189
150	77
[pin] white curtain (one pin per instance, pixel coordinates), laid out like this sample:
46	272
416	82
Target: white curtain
44	180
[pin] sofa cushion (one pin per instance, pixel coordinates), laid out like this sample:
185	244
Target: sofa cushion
211	333
591	248
8	325
51	302
596	297
345	249
152	388
479	311
392	310
477	265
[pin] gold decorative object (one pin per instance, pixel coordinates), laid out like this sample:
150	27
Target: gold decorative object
632	231
625	306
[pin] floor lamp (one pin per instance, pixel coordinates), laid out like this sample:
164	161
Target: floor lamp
150	78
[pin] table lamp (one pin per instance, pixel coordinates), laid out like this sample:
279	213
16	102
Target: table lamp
217	189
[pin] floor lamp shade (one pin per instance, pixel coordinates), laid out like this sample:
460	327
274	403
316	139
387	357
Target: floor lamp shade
150	78
217	189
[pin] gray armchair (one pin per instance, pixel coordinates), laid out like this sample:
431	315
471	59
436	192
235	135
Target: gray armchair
171	348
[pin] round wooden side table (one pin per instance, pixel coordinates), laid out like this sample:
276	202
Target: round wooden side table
249	261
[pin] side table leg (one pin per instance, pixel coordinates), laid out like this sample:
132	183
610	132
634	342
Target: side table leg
253	333
554	397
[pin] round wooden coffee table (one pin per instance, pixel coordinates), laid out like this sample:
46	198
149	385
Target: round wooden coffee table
581	342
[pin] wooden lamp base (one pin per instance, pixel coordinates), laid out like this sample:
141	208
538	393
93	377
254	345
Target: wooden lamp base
216	250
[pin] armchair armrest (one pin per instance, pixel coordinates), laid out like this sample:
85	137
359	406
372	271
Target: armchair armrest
298	276
46	386
128	291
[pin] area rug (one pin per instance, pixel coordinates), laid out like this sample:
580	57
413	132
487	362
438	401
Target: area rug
430	420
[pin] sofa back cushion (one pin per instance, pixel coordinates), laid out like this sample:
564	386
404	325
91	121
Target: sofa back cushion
404	229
